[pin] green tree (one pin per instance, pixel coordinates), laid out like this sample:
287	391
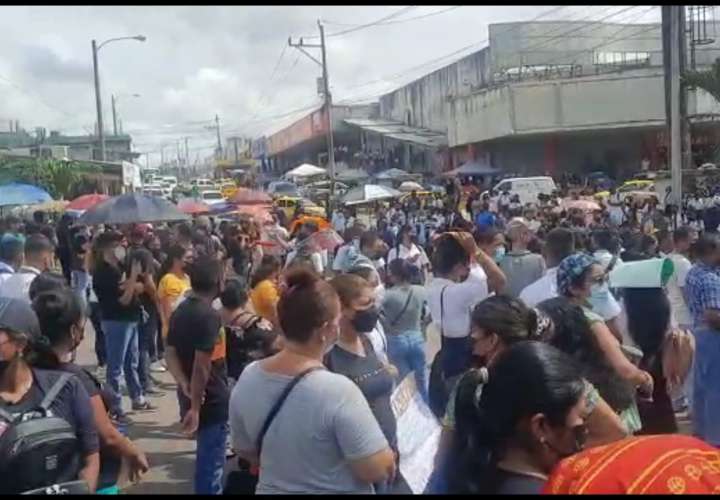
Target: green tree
707	80
57	177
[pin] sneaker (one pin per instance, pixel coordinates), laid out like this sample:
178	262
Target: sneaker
157	367
143	406
121	418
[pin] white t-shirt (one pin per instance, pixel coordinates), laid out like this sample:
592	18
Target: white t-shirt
405	253
543	289
458	301
679	309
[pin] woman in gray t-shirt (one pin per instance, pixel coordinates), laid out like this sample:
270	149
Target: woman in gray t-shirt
324	439
401	316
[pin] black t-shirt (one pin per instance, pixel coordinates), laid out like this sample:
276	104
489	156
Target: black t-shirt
373	379
195	326
71	404
106	283
511	483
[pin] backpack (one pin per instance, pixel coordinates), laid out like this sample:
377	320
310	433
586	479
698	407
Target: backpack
37	448
247	341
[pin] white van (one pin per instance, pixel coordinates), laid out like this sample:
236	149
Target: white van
528	188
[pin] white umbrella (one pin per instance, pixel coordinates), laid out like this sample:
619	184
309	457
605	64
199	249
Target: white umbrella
410	186
305	170
369	193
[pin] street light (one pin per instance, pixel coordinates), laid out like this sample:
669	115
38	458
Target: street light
114	99
98	102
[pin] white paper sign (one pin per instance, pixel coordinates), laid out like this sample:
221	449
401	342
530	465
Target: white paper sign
418	434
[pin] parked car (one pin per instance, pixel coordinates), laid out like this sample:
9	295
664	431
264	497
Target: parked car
212	197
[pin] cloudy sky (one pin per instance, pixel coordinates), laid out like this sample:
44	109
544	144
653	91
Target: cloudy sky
229	60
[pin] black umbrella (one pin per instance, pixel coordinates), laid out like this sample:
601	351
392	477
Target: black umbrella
130	209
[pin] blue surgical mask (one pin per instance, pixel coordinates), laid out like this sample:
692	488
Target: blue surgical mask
499	254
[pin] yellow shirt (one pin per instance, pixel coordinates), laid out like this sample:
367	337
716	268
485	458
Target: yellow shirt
264	298
173	287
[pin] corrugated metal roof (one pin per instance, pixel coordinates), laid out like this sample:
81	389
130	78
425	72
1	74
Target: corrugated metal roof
401	132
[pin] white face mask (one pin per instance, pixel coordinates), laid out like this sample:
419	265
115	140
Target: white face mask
120	253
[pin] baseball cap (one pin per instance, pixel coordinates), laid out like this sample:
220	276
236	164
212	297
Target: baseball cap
18	316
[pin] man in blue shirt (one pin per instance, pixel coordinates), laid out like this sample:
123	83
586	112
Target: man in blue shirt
12	250
485	218
702	293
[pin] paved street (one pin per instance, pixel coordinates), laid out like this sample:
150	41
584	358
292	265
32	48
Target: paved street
171	455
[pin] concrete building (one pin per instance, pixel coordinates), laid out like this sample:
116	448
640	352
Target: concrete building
305	140
543	97
73	147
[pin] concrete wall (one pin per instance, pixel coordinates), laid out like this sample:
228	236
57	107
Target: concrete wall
424	102
567	42
628	99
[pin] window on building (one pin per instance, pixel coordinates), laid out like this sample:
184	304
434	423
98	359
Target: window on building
622	58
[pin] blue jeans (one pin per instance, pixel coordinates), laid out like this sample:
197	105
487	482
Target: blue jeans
210	458
121	346
147	333
407	352
706	391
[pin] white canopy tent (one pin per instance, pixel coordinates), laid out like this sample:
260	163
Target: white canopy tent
305	171
368	193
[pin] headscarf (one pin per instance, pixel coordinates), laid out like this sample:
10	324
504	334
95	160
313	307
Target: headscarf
570	269
657	465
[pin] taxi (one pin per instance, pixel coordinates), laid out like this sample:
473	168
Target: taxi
289	204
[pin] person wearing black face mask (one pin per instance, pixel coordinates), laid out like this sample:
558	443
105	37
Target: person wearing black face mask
353	355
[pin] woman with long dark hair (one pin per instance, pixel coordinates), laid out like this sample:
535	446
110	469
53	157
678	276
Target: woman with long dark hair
508	440
648	321
62	325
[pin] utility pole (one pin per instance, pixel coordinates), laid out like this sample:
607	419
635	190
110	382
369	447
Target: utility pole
115	125
301	46
187	153
674	14
98	106
217	129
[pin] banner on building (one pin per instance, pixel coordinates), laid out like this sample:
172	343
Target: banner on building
418	434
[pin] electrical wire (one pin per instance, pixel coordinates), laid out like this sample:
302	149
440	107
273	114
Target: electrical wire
474	45
399	21
366	25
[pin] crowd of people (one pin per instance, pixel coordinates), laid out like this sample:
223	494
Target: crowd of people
286	345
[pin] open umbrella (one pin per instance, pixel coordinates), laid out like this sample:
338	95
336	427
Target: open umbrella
22	194
223	208
409	186
261	213
192	207
245	196
132	208
86	201
393	174
369	193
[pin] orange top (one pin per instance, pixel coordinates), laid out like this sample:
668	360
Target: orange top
664	464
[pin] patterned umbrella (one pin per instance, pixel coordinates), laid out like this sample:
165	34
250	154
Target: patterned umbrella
245	196
132	208
409	186
86	201
22	194
260	212
584	205
192	207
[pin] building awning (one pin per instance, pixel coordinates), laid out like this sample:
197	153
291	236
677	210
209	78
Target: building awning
400	132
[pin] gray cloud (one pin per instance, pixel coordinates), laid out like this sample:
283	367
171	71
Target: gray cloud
199	61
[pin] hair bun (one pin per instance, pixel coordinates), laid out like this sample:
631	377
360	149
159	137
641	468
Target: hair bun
300	278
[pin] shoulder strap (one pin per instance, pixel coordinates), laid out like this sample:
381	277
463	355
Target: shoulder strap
400	314
54	391
442	311
278	405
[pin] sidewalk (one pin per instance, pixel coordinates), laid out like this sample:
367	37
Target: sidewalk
157	433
